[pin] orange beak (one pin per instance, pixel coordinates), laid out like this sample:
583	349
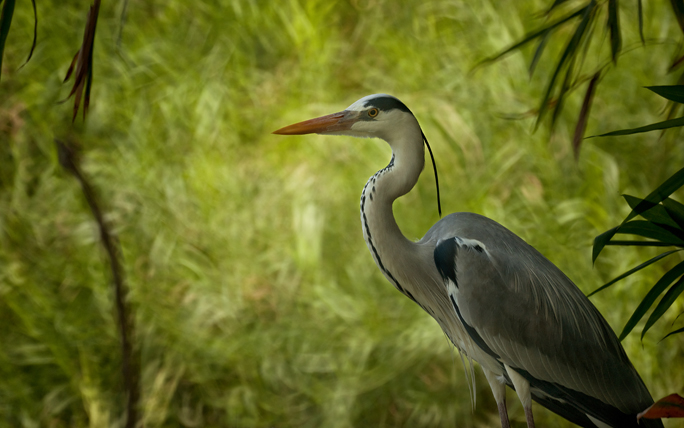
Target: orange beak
321	125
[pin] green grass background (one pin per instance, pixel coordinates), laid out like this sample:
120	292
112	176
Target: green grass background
256	301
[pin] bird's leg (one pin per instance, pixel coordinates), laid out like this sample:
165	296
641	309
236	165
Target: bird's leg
522	388
528	416
499	391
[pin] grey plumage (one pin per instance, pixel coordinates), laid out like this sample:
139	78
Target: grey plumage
499	301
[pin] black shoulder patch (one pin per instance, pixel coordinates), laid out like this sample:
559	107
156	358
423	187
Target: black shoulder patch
387	104
445	259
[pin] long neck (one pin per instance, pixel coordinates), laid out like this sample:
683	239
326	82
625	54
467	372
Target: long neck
390	249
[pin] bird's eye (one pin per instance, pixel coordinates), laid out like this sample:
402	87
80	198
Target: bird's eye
373	112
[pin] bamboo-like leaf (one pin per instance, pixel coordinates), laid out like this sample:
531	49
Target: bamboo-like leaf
650	230
671	92
631	271
614	27
656	214
640	11
680	330
662	192
639	228
668	278
538	52
678	9
675	210
528	38
672	123
35	33
564	87
601	241
5	23
568	53
584	114
664	304
616	242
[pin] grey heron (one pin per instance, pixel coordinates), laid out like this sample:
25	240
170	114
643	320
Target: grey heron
498	300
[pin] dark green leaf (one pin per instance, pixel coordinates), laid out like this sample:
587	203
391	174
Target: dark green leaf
681	330
671	92
664	304
666	124
655	213
640	8
5	23
669	186
678	9
643	228
568	53
616	242
528	38
631	271
538	52
563	90
35	32
675	210
601	241
584	114
651	297
650	230
614	26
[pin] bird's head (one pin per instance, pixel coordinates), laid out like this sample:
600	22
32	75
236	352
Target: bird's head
374	116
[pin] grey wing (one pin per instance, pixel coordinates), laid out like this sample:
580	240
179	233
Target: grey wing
521	309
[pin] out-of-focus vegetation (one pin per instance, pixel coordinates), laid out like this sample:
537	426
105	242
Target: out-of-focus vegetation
257	304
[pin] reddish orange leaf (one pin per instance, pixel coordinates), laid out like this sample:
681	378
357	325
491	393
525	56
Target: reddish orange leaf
584	115
671	406
83	61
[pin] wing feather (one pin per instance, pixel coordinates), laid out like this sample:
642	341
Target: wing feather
520	307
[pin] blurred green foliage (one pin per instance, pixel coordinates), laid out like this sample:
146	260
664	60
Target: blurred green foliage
257	303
